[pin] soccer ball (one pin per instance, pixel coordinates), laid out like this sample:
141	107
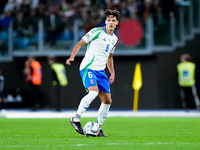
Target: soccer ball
91	129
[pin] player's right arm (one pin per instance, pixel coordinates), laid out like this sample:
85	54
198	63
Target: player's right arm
86	39
75	51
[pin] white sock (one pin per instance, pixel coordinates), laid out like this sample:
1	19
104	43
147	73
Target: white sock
103	113
85	103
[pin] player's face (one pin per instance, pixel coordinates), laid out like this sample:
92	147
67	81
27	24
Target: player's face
111	22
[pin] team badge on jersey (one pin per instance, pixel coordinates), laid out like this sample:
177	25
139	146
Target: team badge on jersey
92	81
113	41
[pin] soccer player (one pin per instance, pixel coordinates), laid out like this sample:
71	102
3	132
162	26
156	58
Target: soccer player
101	44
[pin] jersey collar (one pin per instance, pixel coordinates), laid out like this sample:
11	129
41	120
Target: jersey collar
104	28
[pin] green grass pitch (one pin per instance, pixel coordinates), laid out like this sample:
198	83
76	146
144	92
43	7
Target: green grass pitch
125	133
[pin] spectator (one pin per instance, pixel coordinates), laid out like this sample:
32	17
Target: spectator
112	3
68	14
34	4
59	15
54	25
140	5
59	82
156	12
24	8
20	25
33	72
132	8
41	10
23	33
186	80
32	22
97	17
140	12
125	12
67	10
6	19
4	25
12	6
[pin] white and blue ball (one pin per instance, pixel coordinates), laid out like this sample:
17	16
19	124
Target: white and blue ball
91	129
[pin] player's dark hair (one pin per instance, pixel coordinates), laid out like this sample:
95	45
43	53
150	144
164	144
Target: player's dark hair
113	12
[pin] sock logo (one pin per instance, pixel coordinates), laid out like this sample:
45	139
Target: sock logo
85	107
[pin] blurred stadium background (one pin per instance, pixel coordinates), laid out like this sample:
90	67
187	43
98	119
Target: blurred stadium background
164	30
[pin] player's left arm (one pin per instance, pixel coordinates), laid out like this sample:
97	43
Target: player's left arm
110	66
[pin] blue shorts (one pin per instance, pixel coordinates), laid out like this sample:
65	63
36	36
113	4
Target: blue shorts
95	78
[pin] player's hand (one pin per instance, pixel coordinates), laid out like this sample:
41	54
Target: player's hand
111	79
68	61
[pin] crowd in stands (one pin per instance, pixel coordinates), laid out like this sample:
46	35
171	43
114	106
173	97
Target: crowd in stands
58	15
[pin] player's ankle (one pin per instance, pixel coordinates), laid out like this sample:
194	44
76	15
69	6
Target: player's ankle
100	126
77	118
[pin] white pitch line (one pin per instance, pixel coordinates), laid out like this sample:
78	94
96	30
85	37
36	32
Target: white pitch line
112	113
107	144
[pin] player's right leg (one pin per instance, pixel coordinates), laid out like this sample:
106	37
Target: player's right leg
84	104
90	83
103	110
77	126
105	96
86	100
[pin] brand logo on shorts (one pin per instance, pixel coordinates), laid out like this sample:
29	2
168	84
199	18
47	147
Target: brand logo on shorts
92	81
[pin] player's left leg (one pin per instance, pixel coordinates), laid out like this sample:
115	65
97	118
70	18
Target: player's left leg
105	106
104	109
105	96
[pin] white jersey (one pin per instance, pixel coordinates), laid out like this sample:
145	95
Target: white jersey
100	45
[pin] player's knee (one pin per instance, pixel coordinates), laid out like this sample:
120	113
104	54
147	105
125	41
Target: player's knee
107	101
93	94
110	101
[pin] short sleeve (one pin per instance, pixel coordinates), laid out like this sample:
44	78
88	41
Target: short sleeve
91	34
